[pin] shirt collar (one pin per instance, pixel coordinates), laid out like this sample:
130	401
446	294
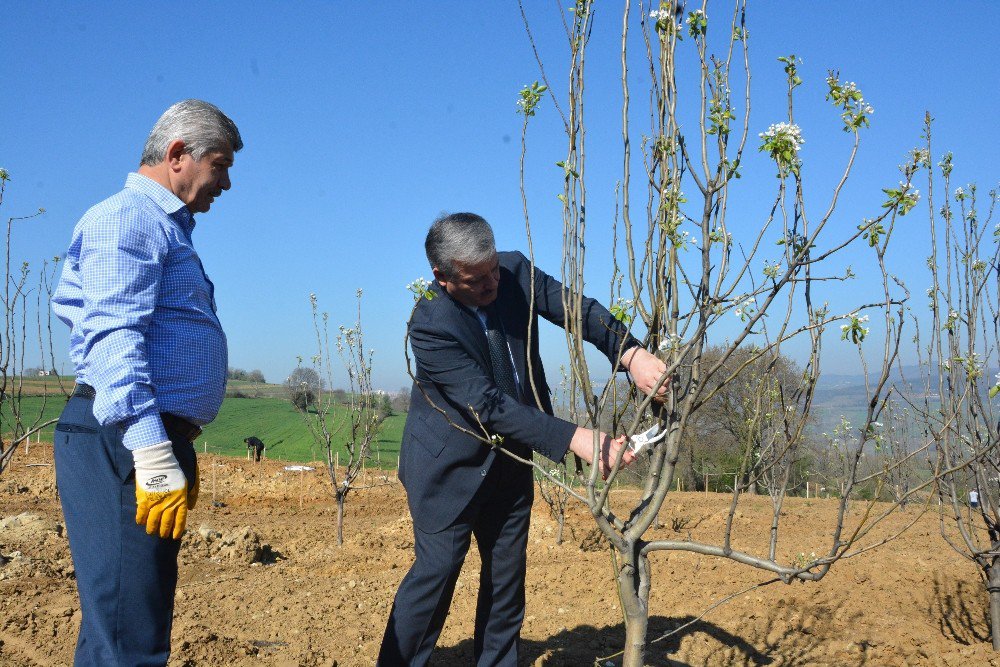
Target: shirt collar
162	197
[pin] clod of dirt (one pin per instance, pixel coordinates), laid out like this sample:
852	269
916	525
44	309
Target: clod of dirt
4	559
243	545
594	541
27	525
43	487
200	642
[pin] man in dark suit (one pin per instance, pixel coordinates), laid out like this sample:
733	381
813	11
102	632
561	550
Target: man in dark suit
473	384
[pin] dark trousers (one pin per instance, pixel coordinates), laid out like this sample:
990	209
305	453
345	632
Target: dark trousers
498	516
126	578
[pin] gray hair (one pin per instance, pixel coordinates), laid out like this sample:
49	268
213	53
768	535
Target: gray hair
459	237
202	127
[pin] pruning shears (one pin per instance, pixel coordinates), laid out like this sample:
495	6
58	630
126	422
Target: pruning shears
649	437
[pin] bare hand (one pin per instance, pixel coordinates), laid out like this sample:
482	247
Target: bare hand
582	445
646	370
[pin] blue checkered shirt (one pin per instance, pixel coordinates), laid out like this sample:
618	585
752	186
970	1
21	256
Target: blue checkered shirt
144	333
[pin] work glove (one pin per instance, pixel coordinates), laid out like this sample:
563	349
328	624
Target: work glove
161	491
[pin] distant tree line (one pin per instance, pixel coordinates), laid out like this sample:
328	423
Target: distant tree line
304	384
249	376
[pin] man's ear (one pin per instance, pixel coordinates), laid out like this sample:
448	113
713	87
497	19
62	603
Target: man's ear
175	151
439	276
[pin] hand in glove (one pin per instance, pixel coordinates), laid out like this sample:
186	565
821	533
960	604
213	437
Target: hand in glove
161	491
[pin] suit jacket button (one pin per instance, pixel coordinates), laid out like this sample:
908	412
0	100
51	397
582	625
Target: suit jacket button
483	472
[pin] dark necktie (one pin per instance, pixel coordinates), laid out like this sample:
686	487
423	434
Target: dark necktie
503	371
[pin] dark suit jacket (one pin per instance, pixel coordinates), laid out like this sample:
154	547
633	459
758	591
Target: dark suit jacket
440	466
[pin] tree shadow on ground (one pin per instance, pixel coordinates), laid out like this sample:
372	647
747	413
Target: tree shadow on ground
783	638
961	609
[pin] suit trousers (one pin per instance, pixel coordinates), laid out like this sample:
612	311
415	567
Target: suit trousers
126	578
498	516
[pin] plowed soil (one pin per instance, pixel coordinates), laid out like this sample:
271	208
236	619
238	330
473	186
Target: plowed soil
263	582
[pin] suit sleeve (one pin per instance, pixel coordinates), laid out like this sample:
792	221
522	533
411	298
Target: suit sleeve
463	382
600	328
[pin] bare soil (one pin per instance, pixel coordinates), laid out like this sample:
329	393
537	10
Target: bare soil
263	582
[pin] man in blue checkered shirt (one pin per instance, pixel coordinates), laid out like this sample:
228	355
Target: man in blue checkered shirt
150	358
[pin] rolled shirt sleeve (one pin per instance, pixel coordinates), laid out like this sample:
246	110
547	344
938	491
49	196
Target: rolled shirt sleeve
121	263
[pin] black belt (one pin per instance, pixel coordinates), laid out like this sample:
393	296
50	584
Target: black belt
171	422
180	426
84	391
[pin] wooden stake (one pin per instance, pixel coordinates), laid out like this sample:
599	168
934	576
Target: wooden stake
213	482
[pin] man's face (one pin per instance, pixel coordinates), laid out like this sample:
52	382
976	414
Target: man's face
474	285
199	182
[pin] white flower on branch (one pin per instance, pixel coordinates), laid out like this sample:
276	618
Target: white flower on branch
746	309
421	289
782	141
789	132
670	342
855	330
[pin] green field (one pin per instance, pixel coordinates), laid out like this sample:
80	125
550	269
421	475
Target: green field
285	433
273	420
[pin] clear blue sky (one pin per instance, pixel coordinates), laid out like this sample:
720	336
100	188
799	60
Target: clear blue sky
363	121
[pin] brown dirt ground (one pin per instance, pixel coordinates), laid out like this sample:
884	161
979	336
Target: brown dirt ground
263	583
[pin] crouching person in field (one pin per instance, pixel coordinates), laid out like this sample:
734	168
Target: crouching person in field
470	343
150	358
255	448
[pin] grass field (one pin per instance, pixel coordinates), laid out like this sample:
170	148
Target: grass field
285	433
273	420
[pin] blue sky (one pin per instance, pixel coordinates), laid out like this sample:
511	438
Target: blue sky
364	121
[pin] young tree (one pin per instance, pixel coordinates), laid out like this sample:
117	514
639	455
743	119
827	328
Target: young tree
678	281
960	352
14	421
363	415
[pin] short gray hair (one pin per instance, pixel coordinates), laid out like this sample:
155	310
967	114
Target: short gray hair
459	237
202	126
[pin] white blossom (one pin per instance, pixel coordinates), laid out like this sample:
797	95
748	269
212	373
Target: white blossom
789	131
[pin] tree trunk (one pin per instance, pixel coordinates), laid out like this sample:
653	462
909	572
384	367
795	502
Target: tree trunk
562	524
993	586
341	497
633	589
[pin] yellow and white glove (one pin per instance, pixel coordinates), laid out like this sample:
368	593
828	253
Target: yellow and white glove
161	491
